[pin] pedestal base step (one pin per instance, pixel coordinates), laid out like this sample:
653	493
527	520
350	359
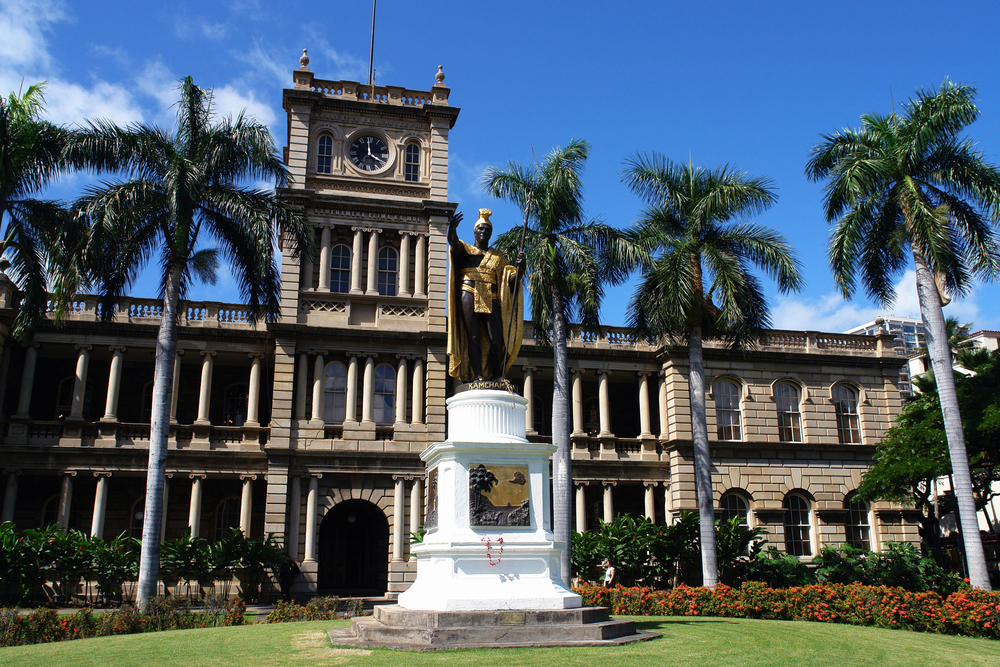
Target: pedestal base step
393	626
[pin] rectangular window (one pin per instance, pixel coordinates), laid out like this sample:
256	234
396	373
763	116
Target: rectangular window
786	398
727	410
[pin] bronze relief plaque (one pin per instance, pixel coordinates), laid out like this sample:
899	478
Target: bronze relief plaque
499	495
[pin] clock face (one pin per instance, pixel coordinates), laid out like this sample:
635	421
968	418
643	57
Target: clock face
369	153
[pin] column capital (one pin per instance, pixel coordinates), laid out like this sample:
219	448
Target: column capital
251	477
83	346
372	355
529	369
643	373
405	357
404	477
377	230
581	482
102	473
34	345
577	371
12	471
197	475
647	482
354	355
602	371
179	352
256	355
315	475
208	353
319	353
608	482
69	473
117	348
168	475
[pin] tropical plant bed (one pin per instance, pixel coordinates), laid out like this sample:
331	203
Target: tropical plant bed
969	612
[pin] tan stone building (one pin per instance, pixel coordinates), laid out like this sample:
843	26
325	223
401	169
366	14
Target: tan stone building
311	426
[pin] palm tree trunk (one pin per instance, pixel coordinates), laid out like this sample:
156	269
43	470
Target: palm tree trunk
562	478
702	460
940	354
163	373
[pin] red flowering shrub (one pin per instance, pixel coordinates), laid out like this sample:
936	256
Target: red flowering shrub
969	612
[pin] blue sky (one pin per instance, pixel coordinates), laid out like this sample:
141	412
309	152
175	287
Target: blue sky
752	84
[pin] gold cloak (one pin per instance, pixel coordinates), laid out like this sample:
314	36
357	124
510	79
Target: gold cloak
493	270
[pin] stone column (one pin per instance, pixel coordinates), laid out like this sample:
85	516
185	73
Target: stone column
650	500
294	517
609	502
371	287
65	499
307	269
311	519
420	267
246	503
581	507
662	401
319	378
253	395
194	512
668	505
356	251
10	496
397	518
644	427
114	382
27	383
404	264
80	382
205	391
529	395
324	260
368	395
301	384
100	504
577	401
351	414
176	387
416	497
417	414
401	390
604	401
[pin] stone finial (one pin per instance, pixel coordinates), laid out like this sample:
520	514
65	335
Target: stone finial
304	60
440	75
880	322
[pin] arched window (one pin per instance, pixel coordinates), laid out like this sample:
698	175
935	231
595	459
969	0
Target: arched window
324	155
227	515
727	409
798	527
856	524
136	518
385	394
412	163
146	408
236	404
388	263
845	400
735	505
335	393
340	268
786	399
64	397
50	512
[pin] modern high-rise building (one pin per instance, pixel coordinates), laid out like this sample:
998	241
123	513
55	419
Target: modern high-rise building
908	340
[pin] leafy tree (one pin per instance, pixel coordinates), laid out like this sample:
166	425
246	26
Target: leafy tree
907	185
914	452
38	237
481	481
186	192
565	277
699	254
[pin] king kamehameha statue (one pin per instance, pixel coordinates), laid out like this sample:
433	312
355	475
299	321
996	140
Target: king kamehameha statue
486	313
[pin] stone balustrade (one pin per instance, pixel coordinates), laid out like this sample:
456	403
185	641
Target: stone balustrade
204	314
355	91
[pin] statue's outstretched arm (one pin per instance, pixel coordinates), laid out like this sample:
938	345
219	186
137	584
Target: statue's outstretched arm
453	222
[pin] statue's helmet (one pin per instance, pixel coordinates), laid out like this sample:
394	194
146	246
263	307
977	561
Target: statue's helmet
484	219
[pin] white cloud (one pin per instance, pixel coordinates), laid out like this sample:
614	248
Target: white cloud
23	24
465	181
230	102
830	312
330	63
186	28
71	103
269	67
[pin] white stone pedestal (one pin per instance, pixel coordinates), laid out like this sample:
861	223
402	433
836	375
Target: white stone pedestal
454	572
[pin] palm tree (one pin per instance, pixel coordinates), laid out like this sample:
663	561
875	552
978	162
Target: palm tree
906	185
38	237
185	192
700	255
564	277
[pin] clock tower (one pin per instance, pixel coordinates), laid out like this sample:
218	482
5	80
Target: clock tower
360	363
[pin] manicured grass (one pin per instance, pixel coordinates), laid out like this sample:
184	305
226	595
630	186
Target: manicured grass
686	642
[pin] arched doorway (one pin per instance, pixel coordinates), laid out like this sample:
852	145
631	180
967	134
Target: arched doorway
354	550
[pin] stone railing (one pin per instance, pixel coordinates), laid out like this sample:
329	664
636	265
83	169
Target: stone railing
359	92
207	314
122	434
811	342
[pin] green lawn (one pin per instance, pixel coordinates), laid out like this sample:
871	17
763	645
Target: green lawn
685	642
